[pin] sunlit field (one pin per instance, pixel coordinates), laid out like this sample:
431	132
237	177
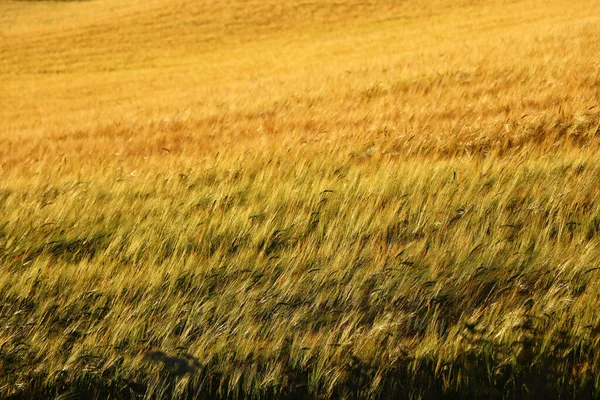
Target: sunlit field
299	199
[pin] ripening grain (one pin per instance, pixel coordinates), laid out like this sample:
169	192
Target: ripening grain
297	199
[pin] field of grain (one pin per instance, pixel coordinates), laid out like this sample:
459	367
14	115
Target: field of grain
299	199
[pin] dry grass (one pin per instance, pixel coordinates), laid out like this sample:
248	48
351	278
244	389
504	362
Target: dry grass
299	199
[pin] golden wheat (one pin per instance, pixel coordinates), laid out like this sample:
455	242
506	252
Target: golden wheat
299	199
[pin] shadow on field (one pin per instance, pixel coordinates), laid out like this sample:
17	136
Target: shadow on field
481	373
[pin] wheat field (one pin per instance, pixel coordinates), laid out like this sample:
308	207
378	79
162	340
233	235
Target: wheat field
299	199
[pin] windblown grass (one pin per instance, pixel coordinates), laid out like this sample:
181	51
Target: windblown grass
302	200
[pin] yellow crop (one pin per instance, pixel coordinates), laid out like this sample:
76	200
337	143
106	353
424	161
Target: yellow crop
300	198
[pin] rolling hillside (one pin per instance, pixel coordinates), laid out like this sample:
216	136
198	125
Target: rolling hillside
92	67
299	199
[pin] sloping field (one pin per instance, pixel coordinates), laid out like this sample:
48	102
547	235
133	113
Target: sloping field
300	199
